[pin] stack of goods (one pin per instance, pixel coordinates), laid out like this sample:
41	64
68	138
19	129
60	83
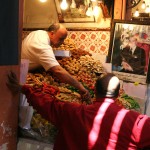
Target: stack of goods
127	101
82	66
67	45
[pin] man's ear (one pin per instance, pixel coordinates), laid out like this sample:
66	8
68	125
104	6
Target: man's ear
51	33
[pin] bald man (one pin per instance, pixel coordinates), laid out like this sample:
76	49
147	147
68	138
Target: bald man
36	47
102	125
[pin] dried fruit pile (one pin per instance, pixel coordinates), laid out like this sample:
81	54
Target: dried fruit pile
81	66
67	45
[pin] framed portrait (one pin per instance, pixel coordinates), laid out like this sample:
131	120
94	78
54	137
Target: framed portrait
129	50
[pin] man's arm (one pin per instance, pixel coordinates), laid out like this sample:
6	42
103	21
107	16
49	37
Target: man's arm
42	99
65	77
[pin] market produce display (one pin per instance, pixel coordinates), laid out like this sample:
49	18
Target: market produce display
127	101
82	66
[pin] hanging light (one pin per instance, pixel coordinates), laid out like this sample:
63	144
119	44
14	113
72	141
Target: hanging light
96	11
64	5
89	11
73	4
143	5
43	1
136	14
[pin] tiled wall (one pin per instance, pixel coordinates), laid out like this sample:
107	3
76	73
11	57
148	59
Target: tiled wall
95	41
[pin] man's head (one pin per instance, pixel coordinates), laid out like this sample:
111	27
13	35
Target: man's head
132	41
107	85
57	34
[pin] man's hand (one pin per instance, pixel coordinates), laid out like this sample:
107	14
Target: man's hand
126	66
13	83
85	96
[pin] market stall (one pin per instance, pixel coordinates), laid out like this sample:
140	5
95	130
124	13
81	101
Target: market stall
82	66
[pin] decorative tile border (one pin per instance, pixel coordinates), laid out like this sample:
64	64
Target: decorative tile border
95	41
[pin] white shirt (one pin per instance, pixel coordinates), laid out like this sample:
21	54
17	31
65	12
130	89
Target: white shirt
133	49
36	47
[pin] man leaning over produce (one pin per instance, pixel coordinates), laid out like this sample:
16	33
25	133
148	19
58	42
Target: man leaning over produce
102	125
36	47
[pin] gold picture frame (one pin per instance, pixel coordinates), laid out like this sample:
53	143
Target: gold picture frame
121	32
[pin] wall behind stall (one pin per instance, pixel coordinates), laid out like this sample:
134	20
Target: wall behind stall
10	27
93	41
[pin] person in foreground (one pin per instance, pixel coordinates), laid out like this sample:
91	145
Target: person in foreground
102	125
37	48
